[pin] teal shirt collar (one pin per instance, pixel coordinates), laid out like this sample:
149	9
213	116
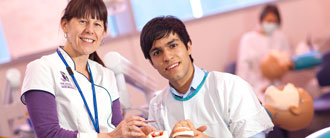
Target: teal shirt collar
197	79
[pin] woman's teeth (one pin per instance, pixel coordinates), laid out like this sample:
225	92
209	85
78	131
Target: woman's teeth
88	40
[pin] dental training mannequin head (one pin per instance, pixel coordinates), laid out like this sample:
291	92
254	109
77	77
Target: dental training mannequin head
291	108
270	20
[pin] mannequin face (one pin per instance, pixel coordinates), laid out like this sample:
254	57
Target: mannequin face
294	118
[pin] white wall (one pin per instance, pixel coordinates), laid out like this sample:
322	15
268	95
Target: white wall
216	38
31	26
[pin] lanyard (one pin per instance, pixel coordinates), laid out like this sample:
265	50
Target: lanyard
68	68
194	93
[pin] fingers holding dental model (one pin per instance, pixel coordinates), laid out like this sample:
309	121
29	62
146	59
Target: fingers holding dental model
186	129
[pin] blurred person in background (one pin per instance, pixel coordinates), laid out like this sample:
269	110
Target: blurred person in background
255	45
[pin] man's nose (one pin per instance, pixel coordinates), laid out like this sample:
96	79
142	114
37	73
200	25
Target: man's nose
167	55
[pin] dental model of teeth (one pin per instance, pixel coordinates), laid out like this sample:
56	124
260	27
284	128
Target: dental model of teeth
158	134
183	131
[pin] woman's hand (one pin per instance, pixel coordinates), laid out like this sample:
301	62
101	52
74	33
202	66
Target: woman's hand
147	130
128	128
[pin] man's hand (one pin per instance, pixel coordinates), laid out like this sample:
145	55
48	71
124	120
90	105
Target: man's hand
198	133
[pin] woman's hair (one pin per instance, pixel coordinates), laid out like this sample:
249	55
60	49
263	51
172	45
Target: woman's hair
84	9
270	9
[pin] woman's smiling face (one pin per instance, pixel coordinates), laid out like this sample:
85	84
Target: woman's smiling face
84	35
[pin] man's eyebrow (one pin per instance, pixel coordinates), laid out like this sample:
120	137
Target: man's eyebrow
154	49
170	42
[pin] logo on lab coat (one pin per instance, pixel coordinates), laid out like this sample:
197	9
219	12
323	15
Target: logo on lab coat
65	81
64	77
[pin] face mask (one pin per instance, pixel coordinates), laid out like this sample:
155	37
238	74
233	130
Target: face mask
269	28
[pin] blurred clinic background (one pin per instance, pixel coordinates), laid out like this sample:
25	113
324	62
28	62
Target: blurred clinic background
31	29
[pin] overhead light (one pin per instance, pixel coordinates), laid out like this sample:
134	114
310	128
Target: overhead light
196	8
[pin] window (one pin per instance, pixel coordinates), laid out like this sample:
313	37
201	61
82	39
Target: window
144	10
217	6
120	19
112	26
4	52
